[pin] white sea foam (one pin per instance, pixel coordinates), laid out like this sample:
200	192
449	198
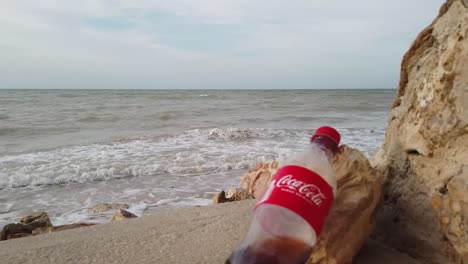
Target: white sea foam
5	207
183	202
65	154
75	216
138	209
194	152
178	171
81	215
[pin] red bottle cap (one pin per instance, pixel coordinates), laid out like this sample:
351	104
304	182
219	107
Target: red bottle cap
328	132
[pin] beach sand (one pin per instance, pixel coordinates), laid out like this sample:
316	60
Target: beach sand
185	235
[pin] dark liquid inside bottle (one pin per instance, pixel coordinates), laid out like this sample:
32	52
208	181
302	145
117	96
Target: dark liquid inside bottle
280	250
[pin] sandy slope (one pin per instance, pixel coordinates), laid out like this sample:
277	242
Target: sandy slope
189	235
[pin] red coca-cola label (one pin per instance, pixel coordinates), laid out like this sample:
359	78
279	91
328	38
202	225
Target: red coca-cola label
302	191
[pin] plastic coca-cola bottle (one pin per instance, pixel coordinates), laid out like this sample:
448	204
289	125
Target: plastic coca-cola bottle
290	215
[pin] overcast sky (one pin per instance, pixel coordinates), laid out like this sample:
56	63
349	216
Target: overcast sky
207	44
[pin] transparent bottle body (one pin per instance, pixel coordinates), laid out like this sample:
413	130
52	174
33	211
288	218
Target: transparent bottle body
282	221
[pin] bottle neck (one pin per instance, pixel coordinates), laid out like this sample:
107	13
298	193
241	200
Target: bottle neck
327	145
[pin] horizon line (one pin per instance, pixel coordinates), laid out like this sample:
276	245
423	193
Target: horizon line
195	89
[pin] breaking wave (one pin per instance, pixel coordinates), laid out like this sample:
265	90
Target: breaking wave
194	152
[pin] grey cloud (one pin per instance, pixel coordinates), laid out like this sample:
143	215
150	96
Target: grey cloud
281	44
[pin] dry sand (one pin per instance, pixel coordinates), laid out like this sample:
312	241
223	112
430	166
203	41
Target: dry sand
188	235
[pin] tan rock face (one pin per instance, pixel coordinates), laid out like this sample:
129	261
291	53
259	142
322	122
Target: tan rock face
350	221
40	217
425	154
220	198
26	226
256	180
238	194
35	224
17	235
121	214
232	195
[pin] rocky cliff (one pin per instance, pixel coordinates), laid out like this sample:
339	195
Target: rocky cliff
425	154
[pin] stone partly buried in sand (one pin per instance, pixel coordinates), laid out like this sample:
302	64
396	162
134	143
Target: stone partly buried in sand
425	153
122	214
232	195
26	226
39	223
350	221
35	224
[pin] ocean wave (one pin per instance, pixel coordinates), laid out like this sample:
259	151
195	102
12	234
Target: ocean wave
70	95
5	207
243	133
4	131
194	152
89	119
4	117
166	116
95	119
